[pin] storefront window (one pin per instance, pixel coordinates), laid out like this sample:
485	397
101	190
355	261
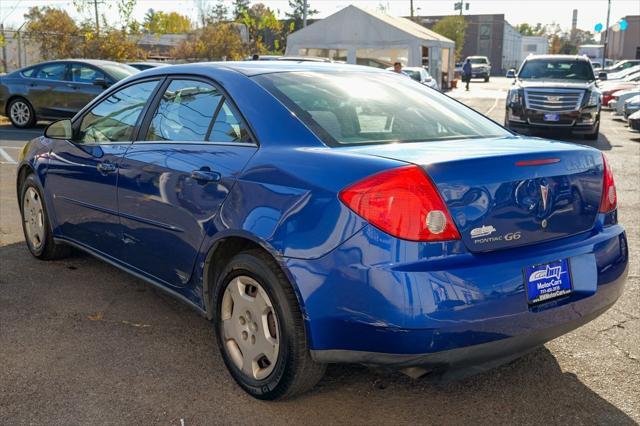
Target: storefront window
381	58
335	54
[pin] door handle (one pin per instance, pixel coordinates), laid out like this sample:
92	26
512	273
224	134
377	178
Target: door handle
106	167
73	86
205	175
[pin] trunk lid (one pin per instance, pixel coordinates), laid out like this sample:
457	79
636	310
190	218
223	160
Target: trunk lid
497	193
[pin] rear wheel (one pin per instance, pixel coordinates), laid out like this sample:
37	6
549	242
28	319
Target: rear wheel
260	329
21	113
486	79
35	223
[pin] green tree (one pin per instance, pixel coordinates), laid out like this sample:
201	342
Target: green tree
296	13
453	28
239	8
53	30
260	20
166	23
220	12
527	30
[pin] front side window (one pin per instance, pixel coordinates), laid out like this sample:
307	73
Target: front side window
557	69
115	118
185	112
56	71
371	107
84	74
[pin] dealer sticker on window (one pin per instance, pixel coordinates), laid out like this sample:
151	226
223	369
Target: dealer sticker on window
547	281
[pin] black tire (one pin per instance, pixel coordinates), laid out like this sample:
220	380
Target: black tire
486	79
593	136
23	105
295	371
48	249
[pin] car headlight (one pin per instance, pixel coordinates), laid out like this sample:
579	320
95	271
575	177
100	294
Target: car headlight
513	97
594	98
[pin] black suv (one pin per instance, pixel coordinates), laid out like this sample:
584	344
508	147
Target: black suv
555	92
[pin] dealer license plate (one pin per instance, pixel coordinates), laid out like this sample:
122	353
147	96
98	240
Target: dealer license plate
552	117
547	281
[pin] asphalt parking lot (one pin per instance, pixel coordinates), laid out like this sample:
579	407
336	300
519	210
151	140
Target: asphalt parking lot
84	343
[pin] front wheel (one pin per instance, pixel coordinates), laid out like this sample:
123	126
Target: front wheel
35	223
593	136
486	79
260	329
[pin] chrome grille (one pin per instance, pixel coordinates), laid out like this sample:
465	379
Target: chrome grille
553	100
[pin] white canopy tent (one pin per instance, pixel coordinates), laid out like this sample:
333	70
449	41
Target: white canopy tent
365	37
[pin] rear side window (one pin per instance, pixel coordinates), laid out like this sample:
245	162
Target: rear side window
185	112
228	127
28	72
52	72
115	118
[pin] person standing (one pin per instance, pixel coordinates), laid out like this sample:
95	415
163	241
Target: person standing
466	72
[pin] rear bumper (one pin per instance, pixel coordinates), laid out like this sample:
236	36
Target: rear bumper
405	304
475	358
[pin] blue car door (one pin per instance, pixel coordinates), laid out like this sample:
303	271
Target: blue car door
82	173
174	178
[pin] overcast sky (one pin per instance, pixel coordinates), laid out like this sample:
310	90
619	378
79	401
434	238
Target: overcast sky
590	12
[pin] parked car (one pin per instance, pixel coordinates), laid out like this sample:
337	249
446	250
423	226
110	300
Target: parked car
634	121
141	66
56	89
597	66
555	93
631	106
511	73
617	102
609	89
480	67
321	213
622	74
621	65
420	75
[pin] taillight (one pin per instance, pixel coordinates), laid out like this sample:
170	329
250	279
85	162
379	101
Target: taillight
402	202
609	200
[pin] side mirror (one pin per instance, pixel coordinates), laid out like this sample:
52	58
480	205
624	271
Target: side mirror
511	74
100	82
602	76
59	130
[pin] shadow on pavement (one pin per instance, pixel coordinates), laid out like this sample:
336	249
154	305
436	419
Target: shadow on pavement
83	342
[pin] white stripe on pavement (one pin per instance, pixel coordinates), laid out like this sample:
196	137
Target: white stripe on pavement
7	157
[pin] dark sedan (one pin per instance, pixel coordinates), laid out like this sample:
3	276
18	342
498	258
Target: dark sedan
56	89
143	66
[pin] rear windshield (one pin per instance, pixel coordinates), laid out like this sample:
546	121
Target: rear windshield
413	74
350	108
557	69
119	71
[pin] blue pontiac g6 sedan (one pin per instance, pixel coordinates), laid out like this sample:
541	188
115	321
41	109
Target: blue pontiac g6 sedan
321	213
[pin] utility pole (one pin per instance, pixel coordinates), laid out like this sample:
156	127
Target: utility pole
606	36
461	6
305	7
95	8
4	49
411	8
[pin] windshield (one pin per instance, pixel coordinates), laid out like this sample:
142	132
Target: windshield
478	60
119	71
557	69
414	74
368	107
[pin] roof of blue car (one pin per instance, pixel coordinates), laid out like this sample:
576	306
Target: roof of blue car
250	68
